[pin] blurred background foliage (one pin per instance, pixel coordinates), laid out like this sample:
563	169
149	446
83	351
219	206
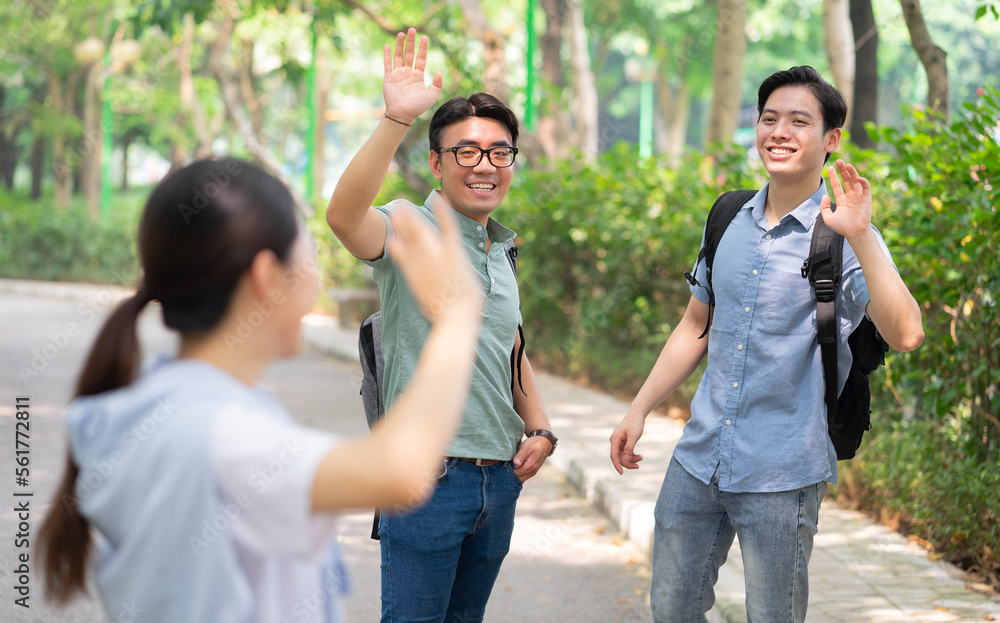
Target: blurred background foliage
628	138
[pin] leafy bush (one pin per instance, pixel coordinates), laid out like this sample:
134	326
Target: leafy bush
935	471
39	241
944	228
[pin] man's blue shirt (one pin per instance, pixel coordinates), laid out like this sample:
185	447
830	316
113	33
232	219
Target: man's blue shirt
759	415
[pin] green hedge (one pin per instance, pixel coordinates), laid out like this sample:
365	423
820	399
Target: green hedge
39	241
932	461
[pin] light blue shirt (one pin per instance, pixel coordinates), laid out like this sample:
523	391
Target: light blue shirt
759	416
172	545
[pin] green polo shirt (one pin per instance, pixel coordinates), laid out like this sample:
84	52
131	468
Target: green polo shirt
490	428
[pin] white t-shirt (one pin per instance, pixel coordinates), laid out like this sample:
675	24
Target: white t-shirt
266	468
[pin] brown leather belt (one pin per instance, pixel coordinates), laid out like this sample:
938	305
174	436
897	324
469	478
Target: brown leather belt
478	462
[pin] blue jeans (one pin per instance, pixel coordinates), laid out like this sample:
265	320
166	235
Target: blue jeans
439	561
695	527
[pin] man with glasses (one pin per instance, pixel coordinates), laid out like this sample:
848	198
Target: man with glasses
440	561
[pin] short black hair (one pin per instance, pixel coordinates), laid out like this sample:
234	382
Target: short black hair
832	104
476	105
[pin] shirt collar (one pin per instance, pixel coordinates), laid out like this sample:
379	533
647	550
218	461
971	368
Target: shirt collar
472	227
806	213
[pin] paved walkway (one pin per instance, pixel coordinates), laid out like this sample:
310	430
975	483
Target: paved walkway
860	572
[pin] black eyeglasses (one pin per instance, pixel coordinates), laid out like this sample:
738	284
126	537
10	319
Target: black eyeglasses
469	155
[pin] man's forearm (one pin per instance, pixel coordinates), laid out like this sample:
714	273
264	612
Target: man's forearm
529	405
677	361
362	179
891	306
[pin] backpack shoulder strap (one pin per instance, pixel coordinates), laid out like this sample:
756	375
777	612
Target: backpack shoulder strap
823	269
719	217
510	250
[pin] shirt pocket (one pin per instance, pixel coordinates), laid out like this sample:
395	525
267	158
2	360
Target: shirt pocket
789	305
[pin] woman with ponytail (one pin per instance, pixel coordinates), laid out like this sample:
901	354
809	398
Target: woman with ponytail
190	492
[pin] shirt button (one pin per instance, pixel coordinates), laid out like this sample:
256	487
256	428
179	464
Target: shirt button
746	309
479	228
739	347
482	244
729	422
735	384
768	236
755	272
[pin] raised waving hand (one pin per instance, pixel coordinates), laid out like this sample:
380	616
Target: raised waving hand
854	202
406	96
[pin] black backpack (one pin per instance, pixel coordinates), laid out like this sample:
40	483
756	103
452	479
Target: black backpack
849	414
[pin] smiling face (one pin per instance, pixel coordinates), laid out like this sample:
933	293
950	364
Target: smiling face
473	191
790	137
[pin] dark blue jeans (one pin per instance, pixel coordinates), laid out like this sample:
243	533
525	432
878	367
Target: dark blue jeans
440	561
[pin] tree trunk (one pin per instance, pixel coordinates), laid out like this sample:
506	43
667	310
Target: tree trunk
840	48
727	70
229	89
8	148
865	103
126	143
177	156
553	131
933	58
411	172
248	87
323	86
194	114
672	116
495	74
8	158
585	106
37	166
89	146
61	168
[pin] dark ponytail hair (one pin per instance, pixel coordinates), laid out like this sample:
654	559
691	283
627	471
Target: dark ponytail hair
200	231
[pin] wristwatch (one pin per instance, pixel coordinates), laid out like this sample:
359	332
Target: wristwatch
541	432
